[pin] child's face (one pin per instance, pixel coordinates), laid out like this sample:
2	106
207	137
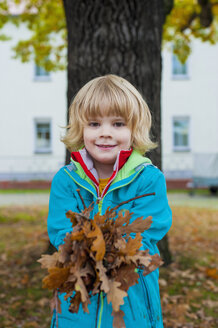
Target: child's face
104	137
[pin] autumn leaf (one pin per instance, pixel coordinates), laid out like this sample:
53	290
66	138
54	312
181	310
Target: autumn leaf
109	214
115	295
127	276
123	217
132	245
102	276
212	273
98	244
56	277
65	249
48	261
118	321
156	262
85	306
99	219
72	216
138	225
140	258
97	257
77	235
80	287
75	303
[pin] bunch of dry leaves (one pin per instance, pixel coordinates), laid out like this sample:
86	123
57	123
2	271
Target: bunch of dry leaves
99	255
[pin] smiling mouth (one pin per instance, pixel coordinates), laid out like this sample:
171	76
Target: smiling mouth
106	146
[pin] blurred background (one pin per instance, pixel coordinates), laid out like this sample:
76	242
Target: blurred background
33	106
44	61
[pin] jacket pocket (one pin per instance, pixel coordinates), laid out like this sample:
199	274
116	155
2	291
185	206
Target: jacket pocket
147	298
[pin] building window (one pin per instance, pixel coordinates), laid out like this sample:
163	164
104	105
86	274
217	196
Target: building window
179	70
42	136
181	134
40	74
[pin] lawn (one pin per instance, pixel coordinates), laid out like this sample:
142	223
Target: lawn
189	286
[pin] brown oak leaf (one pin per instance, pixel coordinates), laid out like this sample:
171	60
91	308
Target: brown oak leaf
77	235
132	245
49	261
75	302
115	295
65	249
72	216
140	258
156	262
98	244
102	276
127	276
123	217
56	277
99	219
138	225
118	321
80	287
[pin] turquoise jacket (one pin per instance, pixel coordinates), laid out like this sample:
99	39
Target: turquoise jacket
138	176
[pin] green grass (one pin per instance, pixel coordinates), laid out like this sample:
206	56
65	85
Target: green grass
24	191
202	192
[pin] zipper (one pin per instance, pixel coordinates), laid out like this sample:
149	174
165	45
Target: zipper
101	199
101	310
117	169
96	321
147	300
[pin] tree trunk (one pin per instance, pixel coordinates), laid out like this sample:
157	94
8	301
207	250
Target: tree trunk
119	37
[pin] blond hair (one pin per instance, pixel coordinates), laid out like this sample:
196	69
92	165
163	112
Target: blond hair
109	95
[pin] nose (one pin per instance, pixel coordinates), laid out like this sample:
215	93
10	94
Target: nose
105	130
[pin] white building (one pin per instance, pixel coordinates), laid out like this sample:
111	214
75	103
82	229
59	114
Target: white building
33	110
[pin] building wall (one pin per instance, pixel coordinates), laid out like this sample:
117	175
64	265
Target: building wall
194	96
24	99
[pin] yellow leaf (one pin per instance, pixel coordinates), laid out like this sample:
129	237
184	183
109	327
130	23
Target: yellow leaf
56	277
98	244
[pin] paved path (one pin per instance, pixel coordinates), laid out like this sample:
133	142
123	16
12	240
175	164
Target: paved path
24	198
175	199
201	201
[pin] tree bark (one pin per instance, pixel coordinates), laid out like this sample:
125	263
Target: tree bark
118	37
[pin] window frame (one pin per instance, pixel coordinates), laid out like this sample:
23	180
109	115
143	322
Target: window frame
179	148
38	150
180	76
43	78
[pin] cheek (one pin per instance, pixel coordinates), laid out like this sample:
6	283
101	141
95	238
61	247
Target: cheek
128	138
87	136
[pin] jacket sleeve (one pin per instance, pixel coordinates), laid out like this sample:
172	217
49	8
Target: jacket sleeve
156	206
61	200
